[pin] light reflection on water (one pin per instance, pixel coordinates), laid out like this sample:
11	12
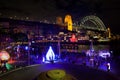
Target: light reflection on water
96	47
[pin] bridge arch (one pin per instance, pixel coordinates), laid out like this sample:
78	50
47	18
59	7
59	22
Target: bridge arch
93	20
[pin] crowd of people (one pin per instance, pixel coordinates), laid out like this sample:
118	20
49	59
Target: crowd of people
91	61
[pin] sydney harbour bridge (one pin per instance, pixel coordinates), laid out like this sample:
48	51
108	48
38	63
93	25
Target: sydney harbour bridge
43	71
97	23
91	23
88	22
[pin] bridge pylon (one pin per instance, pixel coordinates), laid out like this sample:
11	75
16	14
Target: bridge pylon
68	22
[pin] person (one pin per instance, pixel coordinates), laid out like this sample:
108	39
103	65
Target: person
91	61
3	67
108	67
52	61
97	64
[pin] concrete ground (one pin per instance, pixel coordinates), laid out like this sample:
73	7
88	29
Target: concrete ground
80	72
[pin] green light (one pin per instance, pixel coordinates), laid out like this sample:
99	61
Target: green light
9	66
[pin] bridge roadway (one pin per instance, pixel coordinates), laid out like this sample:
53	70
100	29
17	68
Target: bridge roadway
79	71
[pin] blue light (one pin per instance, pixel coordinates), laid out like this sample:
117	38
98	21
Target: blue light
50	54
26	47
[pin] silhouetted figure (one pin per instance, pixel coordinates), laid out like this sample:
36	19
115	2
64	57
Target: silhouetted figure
108	67
3	67
52	61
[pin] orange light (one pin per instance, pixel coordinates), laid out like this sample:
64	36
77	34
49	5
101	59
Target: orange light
68	22
4	55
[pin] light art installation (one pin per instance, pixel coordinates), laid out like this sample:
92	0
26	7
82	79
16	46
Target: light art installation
9	66
104	54
4	55
73	38
50	54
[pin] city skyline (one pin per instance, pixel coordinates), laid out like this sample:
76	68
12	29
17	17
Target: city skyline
81	37
107	11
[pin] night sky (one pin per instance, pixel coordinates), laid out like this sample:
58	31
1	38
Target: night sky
107	10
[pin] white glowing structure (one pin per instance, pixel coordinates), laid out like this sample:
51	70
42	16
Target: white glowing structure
104	54
50	54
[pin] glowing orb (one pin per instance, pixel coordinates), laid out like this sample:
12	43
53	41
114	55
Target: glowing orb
4	55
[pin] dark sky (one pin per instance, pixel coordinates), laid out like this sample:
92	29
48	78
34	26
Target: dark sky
107	10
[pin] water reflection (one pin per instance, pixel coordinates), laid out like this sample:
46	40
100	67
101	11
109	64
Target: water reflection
82	48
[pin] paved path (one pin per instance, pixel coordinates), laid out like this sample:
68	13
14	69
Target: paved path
78	71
